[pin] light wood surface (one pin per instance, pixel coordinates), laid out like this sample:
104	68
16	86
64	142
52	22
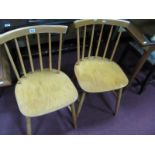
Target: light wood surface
86	22
99	41
44	92
40	53
50	51
115	22
115	47
81	103
107	43
74	118
28	125
29	53
78	45
60	53
16	33
20	57
91	41
84	42
118	101
99	75
136	34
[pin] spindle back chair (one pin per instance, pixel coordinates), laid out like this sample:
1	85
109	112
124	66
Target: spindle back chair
83	24
99	73
45	90
26	32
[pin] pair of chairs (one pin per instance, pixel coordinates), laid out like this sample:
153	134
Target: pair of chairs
47	90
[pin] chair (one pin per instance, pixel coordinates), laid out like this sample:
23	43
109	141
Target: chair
148	69
44	90
96	74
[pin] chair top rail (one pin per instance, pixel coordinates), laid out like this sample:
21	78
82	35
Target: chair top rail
16	33
136	34
115	22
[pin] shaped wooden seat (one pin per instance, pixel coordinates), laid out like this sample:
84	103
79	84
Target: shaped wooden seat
44	92
94	72
99	75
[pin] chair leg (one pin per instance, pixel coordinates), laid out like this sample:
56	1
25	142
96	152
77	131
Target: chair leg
118	101
74	115
81	103
69	108
28	125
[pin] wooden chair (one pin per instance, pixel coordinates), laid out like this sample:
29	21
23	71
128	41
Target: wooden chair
45	90
137	51
97	74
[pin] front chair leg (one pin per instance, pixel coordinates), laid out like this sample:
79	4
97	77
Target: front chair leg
73	115
28	125
81	103
118	101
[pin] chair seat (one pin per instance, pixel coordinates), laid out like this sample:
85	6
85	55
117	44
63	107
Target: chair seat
99	75
44	92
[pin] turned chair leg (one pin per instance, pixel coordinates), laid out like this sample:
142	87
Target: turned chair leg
118	101
28	125
81	103
74	119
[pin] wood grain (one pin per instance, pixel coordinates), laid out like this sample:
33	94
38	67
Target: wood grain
99	75
44	92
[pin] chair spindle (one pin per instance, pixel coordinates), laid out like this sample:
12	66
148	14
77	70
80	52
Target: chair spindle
91	41
11	61
78	45
40	54
50	51
60	52
107	44
99	41
29	53
115	47
20	57
84	42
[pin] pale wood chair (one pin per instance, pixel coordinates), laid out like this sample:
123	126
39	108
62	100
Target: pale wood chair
97	74
45	90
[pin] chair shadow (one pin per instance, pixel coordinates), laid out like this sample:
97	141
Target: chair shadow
92	114
107	108
37	123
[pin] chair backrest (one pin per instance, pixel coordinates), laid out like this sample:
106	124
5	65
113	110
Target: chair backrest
83	24
26	32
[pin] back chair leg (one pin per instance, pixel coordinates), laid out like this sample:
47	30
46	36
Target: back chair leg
118	101
74	118
81	103
69	108
28	125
